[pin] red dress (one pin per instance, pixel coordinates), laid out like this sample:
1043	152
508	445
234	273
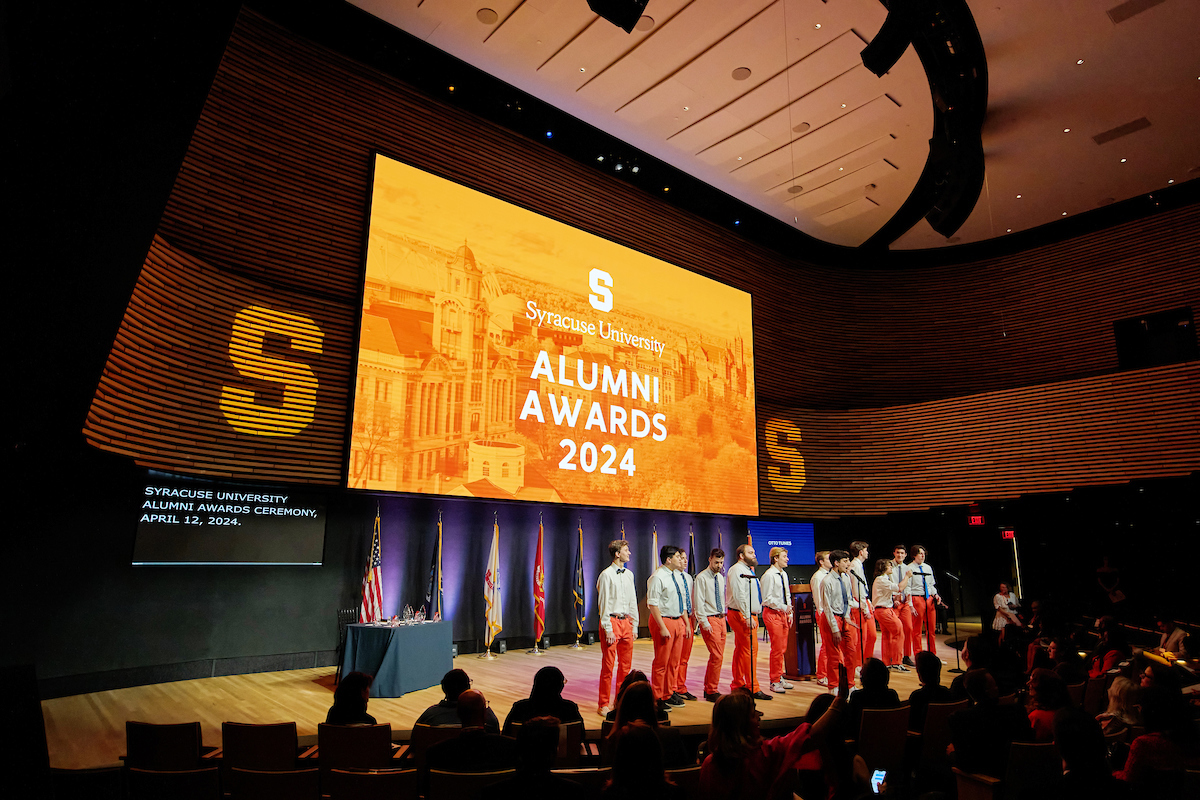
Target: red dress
764	774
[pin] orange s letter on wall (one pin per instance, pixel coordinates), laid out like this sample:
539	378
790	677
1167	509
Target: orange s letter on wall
782	440
251	327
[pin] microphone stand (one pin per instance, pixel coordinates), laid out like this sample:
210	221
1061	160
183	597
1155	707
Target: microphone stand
958	649
862	620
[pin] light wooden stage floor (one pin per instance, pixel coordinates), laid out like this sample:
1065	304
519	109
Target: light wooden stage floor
89	730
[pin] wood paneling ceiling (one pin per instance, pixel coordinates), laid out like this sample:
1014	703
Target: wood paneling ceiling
770	103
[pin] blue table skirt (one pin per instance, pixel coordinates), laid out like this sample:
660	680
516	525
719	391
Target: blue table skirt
402	659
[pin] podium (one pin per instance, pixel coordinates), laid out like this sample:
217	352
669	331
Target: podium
800	658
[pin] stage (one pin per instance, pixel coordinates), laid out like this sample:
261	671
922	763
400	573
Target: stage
89	730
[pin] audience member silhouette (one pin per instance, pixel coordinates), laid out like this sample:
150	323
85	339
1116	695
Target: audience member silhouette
537	749
929	673
475	749
350	701
445	711
1047	696
980	734
545	700
875	693
638	705
634	676
1085	767
638	769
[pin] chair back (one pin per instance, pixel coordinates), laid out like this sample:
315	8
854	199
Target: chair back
1033	770
150	746
267	748
606	728
290	784
186	784
570	737
882	736
375	784
426	736
592	778
463	785
1075	691
352	747
1113	737
1095	696
936	735
687	779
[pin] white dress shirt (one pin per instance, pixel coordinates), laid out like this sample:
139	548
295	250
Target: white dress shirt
616	594
664	590
814	583
708	596
900	573
837	599
775	589
743	593
686	580
882	591
915	586
861	588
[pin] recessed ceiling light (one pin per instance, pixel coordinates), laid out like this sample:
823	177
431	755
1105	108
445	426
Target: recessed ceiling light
795	189
739	158
801	128
1018	197
1066	130
818	26
487	16
737	222
451	88
841	169
1171	181
1123	160
599	158
843	105
1080	61
583	69
620	167
1064	213
635	169
741	73
666	188
644	23
1009	230
549	134
685	108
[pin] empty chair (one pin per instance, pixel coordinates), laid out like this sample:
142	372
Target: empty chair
186	784
376	784
268	748
463	785
290	784
882	736
150	746
353	747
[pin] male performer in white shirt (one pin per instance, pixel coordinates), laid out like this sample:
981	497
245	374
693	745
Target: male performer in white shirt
618	621
923	590
823	655
743	600
689	632
667	606
708	601
864	615
777	615
906	611
837	622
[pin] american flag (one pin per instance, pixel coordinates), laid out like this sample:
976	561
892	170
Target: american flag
371	609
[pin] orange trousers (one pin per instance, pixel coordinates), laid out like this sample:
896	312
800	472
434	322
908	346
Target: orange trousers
893	634
620	652
685	653
866	622
714	640
745	651
927	614
776	623
667	649
909	646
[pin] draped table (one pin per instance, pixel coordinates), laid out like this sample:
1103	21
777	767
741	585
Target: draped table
402	659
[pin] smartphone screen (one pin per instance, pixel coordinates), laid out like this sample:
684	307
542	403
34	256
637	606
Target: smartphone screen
877	780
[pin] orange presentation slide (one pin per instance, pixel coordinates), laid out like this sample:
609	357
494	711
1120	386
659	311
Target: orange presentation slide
506	355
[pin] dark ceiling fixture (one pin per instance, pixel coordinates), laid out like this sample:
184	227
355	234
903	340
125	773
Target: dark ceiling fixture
944	35
622	13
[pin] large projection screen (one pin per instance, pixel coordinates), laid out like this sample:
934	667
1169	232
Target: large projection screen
505	355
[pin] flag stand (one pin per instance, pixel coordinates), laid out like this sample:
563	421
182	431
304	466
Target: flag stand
488	655
576	646
536	651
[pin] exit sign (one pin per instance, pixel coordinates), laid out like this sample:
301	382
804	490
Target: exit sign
1008	533
975	519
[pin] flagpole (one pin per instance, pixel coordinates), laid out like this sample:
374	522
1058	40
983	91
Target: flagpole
578	580
487	654
538	580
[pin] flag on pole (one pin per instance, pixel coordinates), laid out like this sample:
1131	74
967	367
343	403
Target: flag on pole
433	591
691	548
539	590
491	589
578	602
371	609
720	539
654	559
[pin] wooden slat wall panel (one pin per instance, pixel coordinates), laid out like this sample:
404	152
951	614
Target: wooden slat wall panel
275	189
158	399
1046	438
